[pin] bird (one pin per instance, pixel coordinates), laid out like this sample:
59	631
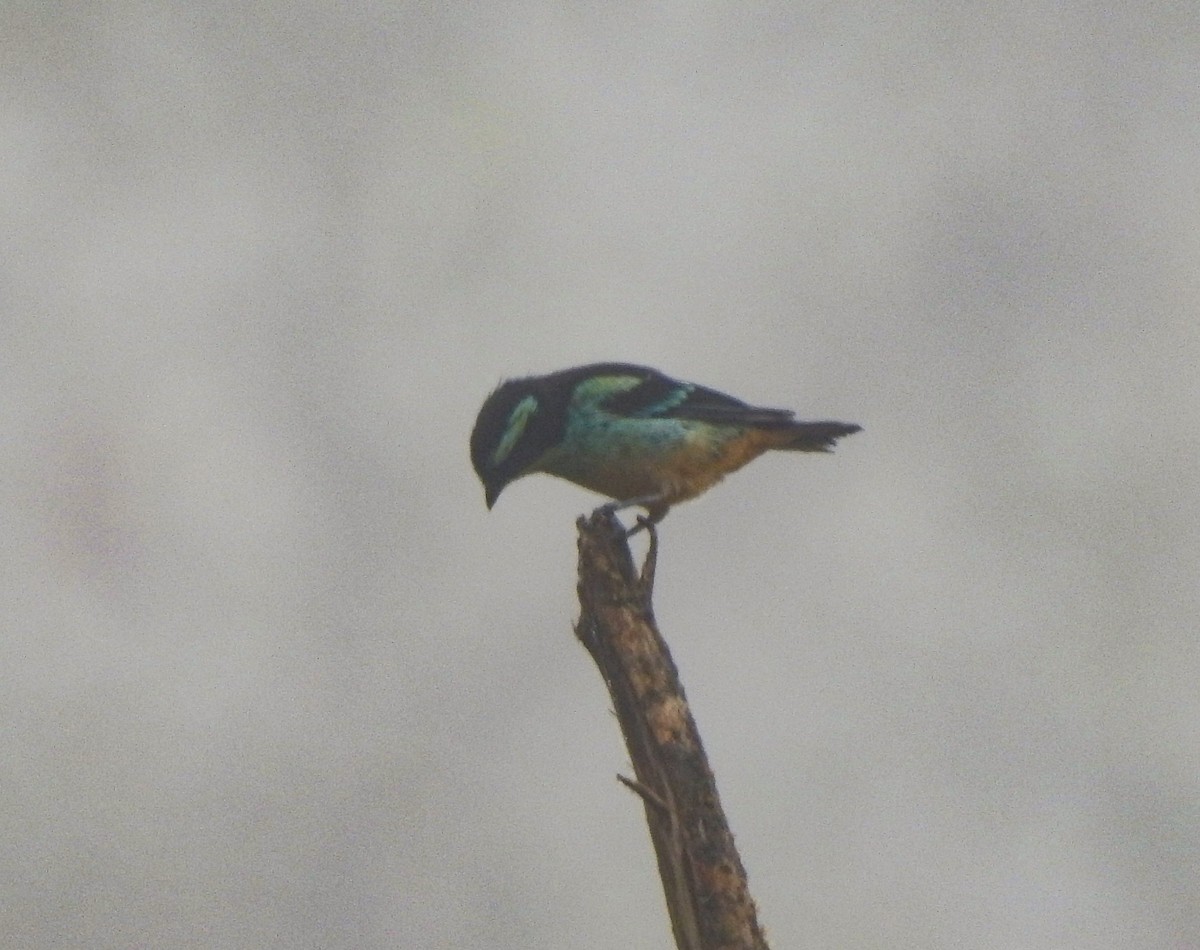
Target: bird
630	433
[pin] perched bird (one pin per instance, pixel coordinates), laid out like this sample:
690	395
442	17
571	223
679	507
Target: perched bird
631	433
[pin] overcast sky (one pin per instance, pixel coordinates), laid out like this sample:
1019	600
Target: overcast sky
272	677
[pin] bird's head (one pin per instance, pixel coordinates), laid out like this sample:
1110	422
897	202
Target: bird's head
515	427
524	419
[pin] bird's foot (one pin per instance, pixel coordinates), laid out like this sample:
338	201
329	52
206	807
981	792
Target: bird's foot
608	512
655	510
655	507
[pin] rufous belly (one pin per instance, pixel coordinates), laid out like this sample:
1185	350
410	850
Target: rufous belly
690	461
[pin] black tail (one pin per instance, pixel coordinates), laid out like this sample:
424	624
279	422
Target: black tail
816	436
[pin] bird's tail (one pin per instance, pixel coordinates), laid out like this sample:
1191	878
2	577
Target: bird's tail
813	436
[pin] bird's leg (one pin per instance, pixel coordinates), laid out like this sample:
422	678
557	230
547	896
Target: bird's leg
641	501
655	505
656	509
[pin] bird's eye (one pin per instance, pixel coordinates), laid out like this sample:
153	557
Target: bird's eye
517	421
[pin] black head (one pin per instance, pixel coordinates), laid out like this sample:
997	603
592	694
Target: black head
516	425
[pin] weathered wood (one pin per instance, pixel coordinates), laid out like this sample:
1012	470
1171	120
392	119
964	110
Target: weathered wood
702	875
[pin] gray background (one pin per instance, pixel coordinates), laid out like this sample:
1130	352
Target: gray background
273	677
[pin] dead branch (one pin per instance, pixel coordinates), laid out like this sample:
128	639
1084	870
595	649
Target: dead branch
702	875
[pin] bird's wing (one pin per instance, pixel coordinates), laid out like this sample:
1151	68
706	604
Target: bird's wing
660	397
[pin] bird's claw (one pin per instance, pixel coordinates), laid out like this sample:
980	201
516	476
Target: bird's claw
644	523
608	512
